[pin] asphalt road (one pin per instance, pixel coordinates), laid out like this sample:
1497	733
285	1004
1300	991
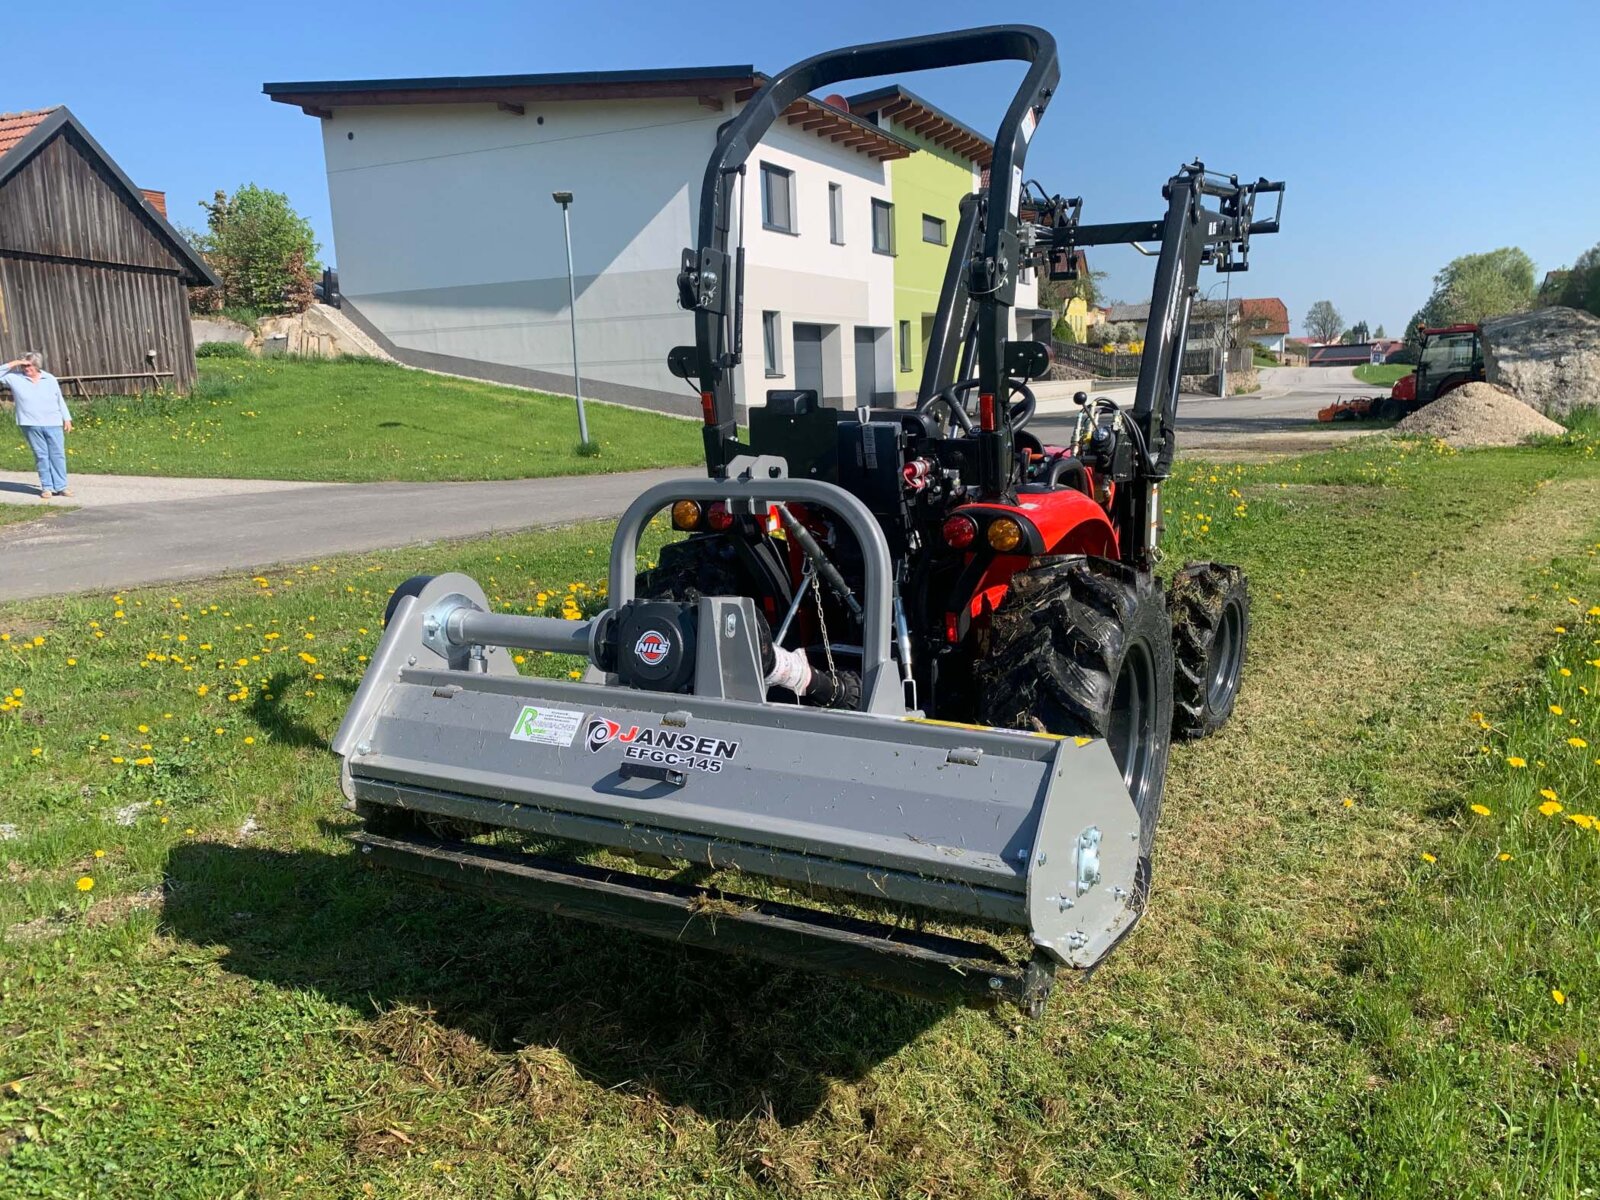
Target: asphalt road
1279	419
155	540
127	532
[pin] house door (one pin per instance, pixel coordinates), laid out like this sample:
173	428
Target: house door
872	366
808	358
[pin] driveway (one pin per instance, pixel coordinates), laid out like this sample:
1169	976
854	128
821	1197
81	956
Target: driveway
1279	419
129	532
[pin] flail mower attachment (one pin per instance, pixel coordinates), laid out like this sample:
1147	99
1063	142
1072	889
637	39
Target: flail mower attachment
671	748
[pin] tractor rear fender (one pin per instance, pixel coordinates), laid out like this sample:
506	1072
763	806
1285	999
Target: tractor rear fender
1063	521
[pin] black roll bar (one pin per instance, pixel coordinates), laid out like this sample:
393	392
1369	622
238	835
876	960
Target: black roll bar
707	272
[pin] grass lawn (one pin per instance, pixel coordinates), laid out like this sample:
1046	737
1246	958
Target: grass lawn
1351	982
15	514
356	421
1383	374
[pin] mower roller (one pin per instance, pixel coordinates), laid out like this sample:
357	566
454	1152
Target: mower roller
910	661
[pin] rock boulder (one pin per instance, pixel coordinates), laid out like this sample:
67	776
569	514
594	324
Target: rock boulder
1549	358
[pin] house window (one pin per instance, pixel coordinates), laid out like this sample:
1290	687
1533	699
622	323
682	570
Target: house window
772	344
905	345
836	214
777	198
932	230
882	227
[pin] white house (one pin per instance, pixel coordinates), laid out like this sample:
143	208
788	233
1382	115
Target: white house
450	247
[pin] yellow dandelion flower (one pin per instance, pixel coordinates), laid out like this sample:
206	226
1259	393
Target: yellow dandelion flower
143	762
1428	858
1504	857
202	689
72	662
1550	808
1516	761
1349	802
249	741
1581	820
118	759
85	883
99	853
144	729
1577	743
1481	809
1565	671
1556	708
1561	628
574	674
1549	793
1558	995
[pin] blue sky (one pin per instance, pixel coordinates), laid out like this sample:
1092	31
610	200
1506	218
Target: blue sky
1408	134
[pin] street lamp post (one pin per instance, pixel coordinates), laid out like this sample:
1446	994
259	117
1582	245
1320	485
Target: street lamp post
564	199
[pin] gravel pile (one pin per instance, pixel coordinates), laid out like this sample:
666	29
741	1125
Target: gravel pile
1478	414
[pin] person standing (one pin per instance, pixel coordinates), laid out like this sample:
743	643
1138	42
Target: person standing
43	417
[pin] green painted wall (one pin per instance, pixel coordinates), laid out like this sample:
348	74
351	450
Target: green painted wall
931	181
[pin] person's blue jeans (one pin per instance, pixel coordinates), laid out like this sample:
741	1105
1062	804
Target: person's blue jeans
49	445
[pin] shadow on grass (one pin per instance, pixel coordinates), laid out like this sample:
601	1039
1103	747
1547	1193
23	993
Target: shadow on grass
271	712
725	1036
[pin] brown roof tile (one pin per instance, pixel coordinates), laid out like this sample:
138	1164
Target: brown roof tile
16	126
1267	316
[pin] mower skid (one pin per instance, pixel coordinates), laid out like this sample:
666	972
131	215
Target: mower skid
1000	827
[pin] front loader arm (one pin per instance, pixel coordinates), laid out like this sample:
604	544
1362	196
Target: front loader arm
1190	235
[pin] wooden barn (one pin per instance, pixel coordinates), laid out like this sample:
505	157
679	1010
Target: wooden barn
91	273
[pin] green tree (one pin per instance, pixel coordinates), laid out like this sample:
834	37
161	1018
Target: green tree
1323	322
1379	333
263	251
1054	294
1475	287
1581	286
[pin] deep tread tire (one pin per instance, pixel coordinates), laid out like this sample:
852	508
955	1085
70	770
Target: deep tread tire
1210	606
694	567
1069	631
411	587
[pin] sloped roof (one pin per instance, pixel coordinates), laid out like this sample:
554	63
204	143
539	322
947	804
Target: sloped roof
48	123
318	98
1269	316
16	126
911	112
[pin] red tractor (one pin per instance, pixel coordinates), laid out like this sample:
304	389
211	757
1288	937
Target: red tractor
915	655
1451	355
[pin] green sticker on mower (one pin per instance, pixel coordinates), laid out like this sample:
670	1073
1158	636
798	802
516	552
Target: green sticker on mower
548	726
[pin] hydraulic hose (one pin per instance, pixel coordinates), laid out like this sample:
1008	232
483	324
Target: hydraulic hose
825	568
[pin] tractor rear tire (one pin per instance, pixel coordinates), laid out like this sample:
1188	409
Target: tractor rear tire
1388	409
694	567
1083	647
1210	607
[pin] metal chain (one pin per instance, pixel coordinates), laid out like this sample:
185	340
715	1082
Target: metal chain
822	625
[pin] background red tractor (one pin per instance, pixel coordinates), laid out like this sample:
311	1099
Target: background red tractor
1451	355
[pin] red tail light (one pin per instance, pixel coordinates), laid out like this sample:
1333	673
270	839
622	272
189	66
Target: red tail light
959	531
708	407
719	518
986	412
